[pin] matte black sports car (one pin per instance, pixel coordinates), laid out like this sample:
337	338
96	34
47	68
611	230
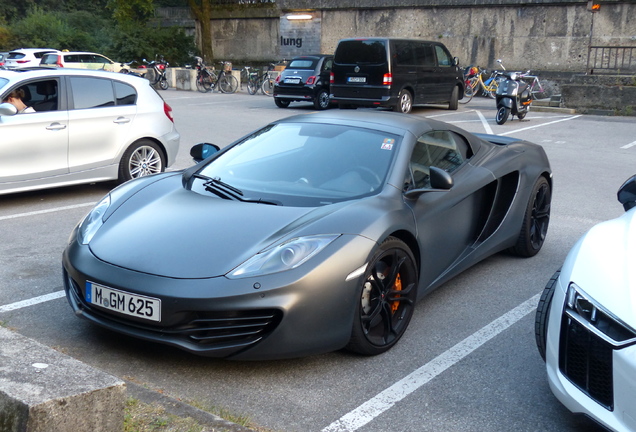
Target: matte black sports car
314	233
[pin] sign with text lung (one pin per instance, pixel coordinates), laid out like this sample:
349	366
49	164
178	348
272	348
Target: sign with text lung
299	34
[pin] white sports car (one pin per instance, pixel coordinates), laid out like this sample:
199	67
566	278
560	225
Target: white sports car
585	322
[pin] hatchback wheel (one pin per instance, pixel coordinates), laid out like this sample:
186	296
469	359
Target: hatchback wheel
321	101
386	299
141	159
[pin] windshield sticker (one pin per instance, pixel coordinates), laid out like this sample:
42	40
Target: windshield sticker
387	144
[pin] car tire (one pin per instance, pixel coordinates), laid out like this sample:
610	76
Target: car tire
502	115
535	221
385	301
281	103
321	101
142	158
454	102
542	315
405	102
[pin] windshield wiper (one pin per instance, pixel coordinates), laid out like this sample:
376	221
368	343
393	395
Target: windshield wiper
228	192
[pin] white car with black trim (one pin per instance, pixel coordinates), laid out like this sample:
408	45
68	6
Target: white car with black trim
585	322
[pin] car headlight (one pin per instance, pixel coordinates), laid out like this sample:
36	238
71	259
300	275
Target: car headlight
285	256
93	221
591	314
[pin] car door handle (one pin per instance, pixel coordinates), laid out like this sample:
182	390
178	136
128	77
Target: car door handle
121	120
55	126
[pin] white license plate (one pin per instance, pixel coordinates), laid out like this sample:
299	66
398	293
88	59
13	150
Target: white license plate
357	79
123	302
292	80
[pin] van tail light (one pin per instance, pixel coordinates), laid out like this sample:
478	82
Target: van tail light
168	110
387	79
331	78
311	80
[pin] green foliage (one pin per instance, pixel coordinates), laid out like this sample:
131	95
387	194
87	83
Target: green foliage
132	11
83	30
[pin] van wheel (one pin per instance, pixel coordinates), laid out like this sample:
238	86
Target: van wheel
454	102
405	102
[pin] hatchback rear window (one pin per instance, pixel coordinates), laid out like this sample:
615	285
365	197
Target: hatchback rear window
302	64
367	51
15	55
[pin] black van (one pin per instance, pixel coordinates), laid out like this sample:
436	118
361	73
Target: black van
396	73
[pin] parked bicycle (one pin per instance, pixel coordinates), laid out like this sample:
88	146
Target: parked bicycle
536	89
263	81
474	81
207	79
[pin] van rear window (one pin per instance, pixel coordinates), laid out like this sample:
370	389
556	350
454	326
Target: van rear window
361	51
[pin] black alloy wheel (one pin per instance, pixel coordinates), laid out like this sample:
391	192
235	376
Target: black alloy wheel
536	220
386	299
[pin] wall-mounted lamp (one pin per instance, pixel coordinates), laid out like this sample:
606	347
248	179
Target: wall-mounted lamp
295	17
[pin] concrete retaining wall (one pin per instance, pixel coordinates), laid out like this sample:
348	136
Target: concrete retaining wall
43	390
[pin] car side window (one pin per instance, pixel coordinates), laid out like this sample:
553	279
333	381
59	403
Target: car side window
442	149
125	94
41	95
92	92
326	65
424	55
443	57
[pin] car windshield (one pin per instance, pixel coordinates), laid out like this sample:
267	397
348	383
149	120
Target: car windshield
303	164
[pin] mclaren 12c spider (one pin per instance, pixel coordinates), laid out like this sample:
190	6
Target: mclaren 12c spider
315	233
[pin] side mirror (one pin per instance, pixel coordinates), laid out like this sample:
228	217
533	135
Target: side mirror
440	181
627	193
203	150
455	61
7	109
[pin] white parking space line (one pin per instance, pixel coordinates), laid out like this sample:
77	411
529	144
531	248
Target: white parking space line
541	125
371	409
484	122
630	145
51	210
32	301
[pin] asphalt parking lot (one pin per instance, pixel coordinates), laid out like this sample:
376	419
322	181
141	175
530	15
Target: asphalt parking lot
468	361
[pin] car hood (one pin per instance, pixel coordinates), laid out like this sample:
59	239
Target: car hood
167	230
602	265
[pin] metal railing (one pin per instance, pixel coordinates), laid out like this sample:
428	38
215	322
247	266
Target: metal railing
611	59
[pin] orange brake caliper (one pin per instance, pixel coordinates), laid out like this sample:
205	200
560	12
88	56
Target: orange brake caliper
396	287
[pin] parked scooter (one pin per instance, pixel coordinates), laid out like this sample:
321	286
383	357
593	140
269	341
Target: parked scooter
158	77
513	97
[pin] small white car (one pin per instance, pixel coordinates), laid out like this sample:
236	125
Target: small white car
81	127
24	57
585	323
81	60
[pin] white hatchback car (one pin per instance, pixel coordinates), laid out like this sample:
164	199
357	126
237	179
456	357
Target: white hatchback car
26	57
585	324
88	126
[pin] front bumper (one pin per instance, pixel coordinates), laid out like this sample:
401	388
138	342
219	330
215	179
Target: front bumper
588	375
307	310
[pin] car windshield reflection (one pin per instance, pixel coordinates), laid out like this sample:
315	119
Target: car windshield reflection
305	164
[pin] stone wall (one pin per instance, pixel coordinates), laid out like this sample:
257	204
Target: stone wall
542	35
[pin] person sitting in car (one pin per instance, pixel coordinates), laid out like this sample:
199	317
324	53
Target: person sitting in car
16	98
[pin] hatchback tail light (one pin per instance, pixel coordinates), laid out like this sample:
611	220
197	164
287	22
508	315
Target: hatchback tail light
21	61
311	80
387	80
168	110
277	80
